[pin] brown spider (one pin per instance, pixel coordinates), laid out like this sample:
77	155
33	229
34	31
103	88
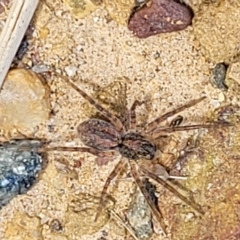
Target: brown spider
102	137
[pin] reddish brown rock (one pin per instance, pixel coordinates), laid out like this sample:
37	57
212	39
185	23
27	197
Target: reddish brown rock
160	16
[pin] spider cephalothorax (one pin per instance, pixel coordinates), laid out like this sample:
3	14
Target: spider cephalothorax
135	146
102	137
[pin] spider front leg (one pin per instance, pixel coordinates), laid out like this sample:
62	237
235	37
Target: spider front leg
102	157
158	132
113	119
152	125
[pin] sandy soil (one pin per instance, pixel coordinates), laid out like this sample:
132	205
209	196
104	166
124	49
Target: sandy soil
167	70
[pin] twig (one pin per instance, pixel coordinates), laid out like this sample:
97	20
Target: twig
125	225
13	31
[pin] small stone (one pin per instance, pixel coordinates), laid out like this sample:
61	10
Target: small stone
215	103
139	58
45	204
40	68
160	16
96	19
44	32
55	225
19	168
24	101
71	70
139	214
221	97
218	76
189	217
234	72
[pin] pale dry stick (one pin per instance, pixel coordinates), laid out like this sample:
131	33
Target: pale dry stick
13	31
125	225
10	23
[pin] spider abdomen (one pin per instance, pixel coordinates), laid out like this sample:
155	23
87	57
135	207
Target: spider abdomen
135	146
98	134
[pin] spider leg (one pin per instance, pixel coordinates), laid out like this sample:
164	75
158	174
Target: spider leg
158	131
132	114
70	149
191	147
173	190
102	157
113	174
113	119
152	125
156	212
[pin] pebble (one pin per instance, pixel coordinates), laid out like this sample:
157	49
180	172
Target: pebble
139	214
71	70
40	68
18	169
218	76
159	16
234	72
24	101
221	97
96	19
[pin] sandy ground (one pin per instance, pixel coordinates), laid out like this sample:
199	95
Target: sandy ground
168	70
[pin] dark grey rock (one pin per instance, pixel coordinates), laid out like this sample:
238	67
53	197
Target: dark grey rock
20	163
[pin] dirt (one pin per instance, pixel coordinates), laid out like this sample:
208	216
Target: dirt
165	70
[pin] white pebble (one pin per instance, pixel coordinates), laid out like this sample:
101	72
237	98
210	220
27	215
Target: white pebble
221	97
96	19
215	103
71	70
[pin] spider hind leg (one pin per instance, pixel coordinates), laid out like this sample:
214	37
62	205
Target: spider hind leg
117	169
156	211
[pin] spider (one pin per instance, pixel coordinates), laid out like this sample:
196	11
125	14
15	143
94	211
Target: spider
103	137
